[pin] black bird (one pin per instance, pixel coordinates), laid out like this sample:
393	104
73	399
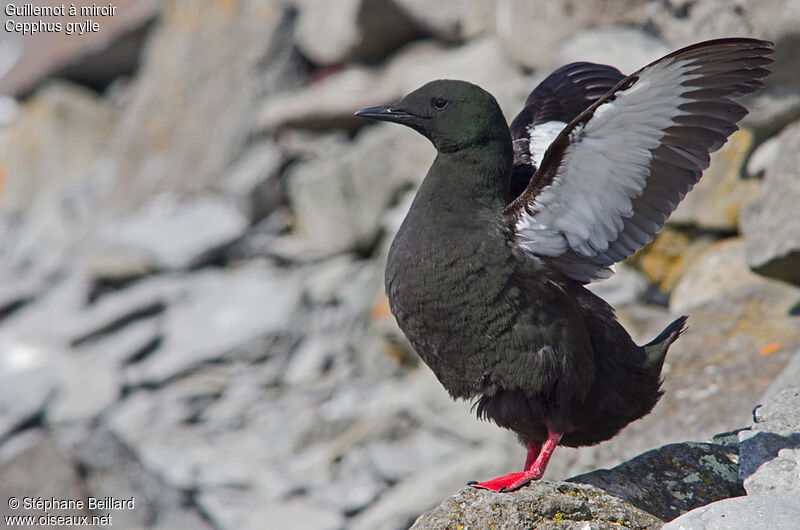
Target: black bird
486	274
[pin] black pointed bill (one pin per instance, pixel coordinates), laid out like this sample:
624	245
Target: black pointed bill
384	113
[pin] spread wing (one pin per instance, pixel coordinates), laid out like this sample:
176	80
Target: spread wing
612	177
554	103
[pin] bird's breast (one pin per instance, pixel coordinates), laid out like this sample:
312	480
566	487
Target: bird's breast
452	299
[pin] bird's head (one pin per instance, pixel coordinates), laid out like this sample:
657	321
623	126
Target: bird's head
453	115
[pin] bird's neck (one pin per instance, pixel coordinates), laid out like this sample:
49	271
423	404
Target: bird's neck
469	181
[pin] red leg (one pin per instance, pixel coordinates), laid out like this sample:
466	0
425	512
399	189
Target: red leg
534	467
534	448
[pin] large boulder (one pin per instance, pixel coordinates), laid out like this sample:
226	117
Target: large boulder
188	110
757	512
769	451
539	505
770	222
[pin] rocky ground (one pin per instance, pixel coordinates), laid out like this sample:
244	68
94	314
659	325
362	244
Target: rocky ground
193	234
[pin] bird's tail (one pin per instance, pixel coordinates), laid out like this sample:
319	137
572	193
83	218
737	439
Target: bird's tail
656	349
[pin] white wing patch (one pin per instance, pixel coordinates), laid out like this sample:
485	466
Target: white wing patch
540	137
605	166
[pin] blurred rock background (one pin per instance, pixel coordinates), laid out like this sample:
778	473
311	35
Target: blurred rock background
194	228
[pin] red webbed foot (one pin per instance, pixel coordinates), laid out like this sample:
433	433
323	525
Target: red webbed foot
535	464
510	482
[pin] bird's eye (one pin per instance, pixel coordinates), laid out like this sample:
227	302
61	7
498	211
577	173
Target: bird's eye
439	103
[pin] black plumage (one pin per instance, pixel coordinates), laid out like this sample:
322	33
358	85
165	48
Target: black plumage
486	277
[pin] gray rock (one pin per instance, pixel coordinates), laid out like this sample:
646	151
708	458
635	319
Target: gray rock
354	485
784	30
538	505
396	460
665	258
788	378
90	378
772	109
626	287
108	263
218	312
445	19
308	360
293	514
769	452
27	383
779	475
29	263
52	145
626	48
177	234
769	222
398	506
209	430
253	181
231	507
719	270
9	108
65	298
781	414
673	479
110	469
531	31
708	383
270	238
31	354
117	309
180	136
763	157
644	321
759	512
32	463
329	33
87	386
338	201
714	202
325	283
708	19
